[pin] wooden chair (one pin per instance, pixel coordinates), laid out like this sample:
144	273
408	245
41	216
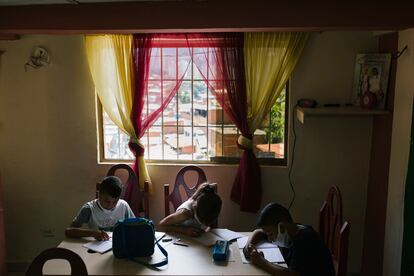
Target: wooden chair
77	265
175	196
138	199
333	231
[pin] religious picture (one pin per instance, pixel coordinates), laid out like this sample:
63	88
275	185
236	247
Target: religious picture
371	77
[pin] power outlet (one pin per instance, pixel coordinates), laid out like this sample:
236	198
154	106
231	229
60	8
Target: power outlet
47	232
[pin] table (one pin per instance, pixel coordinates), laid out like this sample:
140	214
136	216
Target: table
196	259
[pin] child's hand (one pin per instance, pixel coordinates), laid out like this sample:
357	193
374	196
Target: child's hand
257	257
101	235
193	231
247	250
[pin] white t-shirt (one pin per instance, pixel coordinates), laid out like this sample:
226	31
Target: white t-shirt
97	217
193	221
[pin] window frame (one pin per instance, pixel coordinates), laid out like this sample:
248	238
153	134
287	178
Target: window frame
216	160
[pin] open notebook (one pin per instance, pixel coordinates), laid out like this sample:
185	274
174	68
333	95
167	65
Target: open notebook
270	251
210	238
104	246
99	246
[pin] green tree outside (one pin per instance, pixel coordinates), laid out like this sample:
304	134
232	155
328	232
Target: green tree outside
276	130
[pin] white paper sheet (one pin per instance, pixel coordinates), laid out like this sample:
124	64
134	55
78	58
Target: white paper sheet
241	242
272	255
159	235
210	238
104	246
226	234
266	245
99	246
207	238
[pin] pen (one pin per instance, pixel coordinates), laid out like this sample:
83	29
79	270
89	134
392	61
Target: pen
180	243
161	237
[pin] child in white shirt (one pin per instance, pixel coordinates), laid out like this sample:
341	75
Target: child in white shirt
100	215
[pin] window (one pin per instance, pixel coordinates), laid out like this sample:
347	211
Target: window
193	128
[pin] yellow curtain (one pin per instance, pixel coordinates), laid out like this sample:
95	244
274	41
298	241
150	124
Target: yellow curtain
109	59
269	61
110	62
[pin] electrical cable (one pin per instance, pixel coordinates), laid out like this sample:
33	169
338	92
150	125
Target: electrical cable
293	157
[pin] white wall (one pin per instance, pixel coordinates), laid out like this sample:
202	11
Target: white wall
400	149
48	143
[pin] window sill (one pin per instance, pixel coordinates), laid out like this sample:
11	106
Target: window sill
215	161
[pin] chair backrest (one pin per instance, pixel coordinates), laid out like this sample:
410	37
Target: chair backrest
175	196
137	199
333	231
330	217
77	265
341	261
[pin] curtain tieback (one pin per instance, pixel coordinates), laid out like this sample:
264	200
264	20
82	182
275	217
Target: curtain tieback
136	146
245	143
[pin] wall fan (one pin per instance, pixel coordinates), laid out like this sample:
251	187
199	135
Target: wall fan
38	58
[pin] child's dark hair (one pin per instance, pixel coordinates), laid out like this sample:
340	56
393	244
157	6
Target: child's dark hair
272	214
208	203
112	186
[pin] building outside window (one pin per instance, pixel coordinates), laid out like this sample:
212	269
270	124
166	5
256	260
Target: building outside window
193	128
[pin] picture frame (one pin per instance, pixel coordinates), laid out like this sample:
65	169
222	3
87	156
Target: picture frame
371	77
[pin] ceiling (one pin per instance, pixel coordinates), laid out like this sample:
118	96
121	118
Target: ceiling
45	2
143	16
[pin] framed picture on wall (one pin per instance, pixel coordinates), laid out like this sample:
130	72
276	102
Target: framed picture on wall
371	79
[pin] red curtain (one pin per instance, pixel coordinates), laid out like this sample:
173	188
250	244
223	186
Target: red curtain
142	116
226	66
141	54
143	45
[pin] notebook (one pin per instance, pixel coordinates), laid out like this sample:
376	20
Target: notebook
99	246
104	246
210	238
270	251
272	255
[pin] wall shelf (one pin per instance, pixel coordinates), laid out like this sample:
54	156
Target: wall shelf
301	112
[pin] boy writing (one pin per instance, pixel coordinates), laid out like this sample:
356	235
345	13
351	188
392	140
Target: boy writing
100	215
303	249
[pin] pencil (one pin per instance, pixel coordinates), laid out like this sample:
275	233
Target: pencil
180	243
